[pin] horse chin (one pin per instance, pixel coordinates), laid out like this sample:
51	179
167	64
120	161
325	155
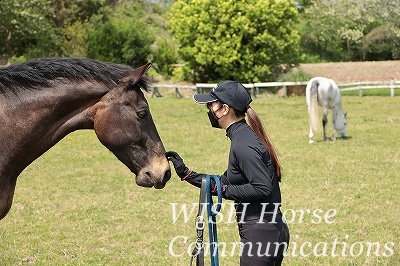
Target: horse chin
145	181
142	182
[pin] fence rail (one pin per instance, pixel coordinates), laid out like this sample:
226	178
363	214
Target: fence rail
369	85
255	88
156	87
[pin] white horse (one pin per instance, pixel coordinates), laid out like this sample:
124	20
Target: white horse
326	93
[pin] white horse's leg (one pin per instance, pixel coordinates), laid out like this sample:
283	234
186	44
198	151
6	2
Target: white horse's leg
311	136
333	125
325	121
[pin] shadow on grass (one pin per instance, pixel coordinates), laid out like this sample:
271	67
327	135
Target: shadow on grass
337	139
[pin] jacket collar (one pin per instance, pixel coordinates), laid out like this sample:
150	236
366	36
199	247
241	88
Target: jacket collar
230	131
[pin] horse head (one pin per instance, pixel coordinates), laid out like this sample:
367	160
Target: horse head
123	123
340	124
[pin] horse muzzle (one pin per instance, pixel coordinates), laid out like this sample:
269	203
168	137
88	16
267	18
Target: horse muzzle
346	137
156	174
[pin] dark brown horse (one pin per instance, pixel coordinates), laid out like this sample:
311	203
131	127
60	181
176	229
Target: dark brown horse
42	101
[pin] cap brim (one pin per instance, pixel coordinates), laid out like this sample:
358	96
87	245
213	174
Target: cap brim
204	98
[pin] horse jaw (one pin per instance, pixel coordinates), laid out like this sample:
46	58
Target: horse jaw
6	198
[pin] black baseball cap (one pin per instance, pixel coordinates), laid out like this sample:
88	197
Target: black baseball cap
229	92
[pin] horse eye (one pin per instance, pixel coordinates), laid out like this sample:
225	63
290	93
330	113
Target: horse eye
142	114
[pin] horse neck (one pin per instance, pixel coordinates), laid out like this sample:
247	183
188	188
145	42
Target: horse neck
338	113
338	108
35	120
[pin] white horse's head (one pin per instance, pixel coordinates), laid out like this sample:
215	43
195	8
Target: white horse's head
340	124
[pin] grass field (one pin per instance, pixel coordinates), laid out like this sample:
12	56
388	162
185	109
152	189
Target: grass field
78	205
371	92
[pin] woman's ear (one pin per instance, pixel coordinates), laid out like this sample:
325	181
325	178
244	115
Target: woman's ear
226	111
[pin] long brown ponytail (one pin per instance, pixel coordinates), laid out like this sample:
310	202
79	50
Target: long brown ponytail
258	128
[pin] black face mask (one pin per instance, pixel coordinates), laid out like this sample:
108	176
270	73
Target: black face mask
213	119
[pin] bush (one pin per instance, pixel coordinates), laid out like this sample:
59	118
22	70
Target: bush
123	38
164	58
295	75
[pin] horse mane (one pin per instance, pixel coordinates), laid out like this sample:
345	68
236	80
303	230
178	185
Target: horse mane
39	73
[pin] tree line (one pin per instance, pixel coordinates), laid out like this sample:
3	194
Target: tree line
202	40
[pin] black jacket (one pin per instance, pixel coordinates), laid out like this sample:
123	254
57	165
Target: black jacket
251	177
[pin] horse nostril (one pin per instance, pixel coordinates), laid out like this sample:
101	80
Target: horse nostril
148	174
167	176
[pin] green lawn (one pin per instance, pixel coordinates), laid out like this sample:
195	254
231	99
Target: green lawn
78	205
371	92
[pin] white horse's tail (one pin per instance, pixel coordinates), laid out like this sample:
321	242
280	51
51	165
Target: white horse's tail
313	111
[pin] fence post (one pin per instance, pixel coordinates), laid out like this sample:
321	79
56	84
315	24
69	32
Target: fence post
360	89
177	94
392	88
253	92
285	90
156	93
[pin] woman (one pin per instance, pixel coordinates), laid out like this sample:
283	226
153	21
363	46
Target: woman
252	178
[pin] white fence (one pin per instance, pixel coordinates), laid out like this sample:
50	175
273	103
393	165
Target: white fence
254	88
156	87
368	85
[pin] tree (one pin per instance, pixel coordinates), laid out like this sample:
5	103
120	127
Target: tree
73	19
344	30
332	27
164	58
123	38
389	11
249	40
377	44
303	4
318	32
26	28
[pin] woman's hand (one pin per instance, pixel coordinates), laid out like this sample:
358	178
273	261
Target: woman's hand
180	168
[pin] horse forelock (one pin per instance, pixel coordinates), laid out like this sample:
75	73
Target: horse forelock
46	72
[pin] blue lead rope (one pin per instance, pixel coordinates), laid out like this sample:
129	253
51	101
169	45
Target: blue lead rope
206	200
212	214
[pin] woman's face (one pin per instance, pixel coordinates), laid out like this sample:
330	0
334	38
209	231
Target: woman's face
213	109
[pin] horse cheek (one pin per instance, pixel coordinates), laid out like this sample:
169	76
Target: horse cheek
107	130
117	129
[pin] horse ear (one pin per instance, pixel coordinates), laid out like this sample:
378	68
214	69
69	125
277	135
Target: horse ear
134	75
